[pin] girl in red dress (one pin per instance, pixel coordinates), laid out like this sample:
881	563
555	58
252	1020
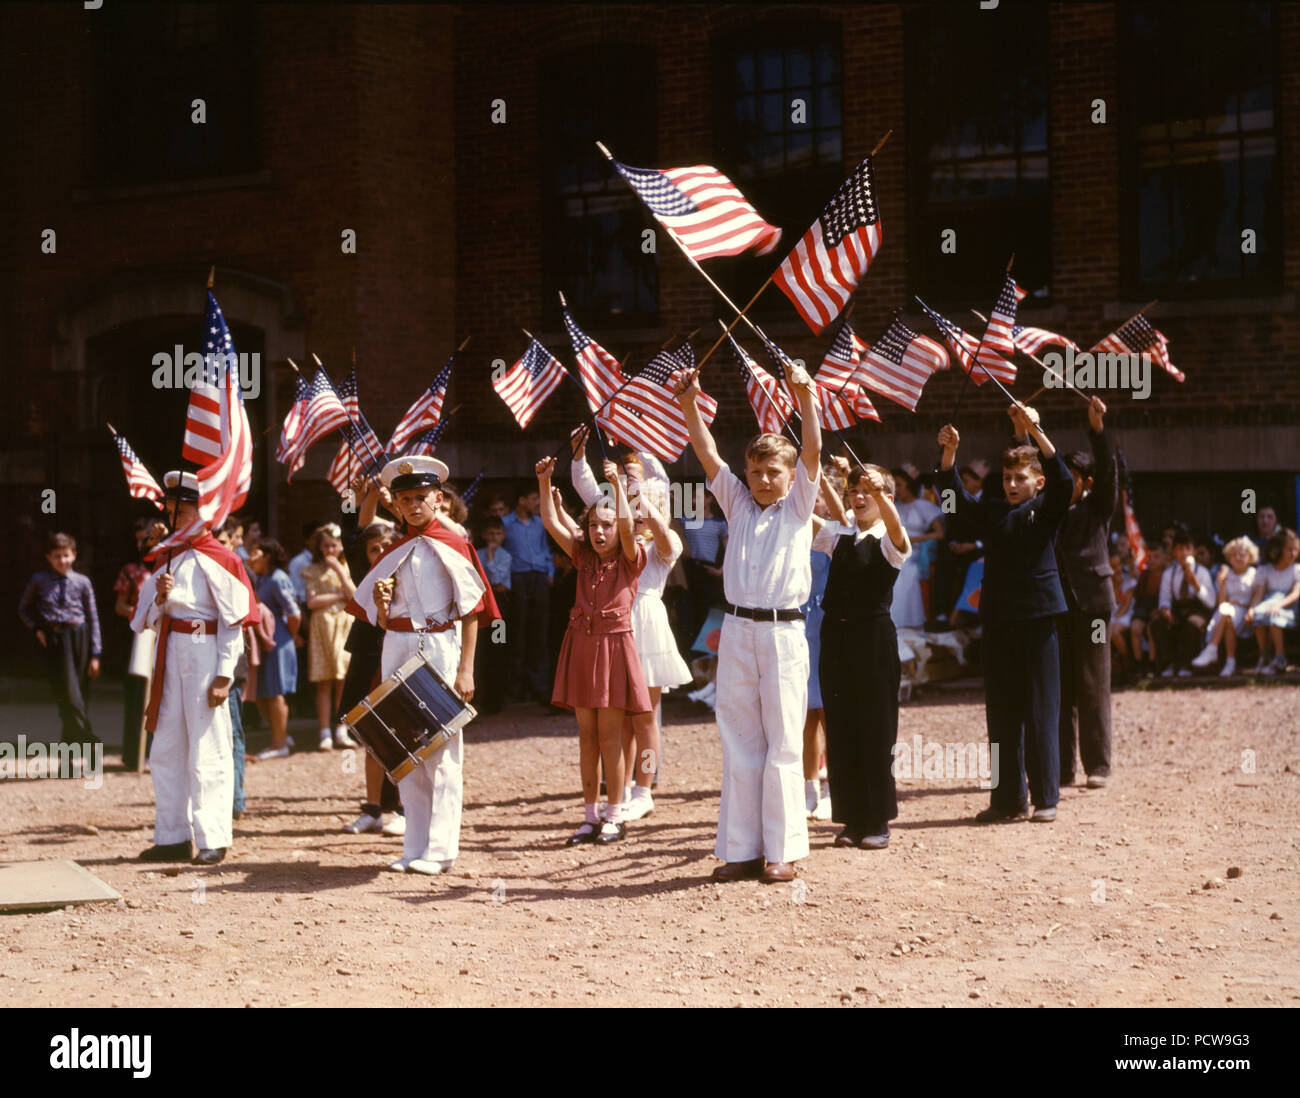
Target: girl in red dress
599	673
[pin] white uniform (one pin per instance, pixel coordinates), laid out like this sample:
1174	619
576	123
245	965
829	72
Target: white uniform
762	681
437	584
192	760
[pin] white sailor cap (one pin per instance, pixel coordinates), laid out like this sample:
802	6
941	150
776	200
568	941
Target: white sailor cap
414	472
181	486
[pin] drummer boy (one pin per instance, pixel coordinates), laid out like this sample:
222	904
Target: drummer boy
423	586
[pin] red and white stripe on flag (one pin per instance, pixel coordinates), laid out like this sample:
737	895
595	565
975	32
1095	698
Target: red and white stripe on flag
526	385
824	268
140	483
598	370
900	362
1134	534
646	416
998	336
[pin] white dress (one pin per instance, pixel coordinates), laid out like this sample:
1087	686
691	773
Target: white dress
655	644
1236	594
908	608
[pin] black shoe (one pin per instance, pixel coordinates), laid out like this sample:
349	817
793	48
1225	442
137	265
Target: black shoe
237	814
846	838
877	840
605	838
585	834
209	857
997	815
167	852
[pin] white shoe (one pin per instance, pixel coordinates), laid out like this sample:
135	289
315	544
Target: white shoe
811	796
400	865
427	867
1260	664
1229	668
273	753
395	824
638	805
1268	668
1208	655
1185	673
343	738
821	774
326	744
1167	673
823	809
364	822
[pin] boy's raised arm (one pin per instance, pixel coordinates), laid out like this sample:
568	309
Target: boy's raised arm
686	387
810	452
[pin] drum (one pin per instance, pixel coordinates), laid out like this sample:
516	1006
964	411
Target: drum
409	717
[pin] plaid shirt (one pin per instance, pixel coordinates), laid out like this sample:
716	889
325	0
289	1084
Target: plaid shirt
52	599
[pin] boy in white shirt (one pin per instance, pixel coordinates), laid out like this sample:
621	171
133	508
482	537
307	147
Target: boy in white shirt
1184	607
762	681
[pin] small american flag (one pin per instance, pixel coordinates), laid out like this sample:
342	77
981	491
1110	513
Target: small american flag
647	417
293	420
1137	336
964	346
224	481
426	441
703	209
139	481
771	404
467	496
598	369
202	440
840	371
900	362
999	339
316	412
828	262
1032	340
359	451
425	412
526	385
834	406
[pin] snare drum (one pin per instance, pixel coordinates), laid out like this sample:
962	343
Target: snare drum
409	717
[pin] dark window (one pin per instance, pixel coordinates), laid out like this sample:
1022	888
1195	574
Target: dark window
977	122
779	135
152	61
1203	166
594	221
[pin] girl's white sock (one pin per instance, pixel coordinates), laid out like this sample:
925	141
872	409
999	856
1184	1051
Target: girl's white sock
590	813
613	813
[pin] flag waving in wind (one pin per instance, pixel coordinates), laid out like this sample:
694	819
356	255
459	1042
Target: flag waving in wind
526	385
425	412
598	369
999	337
359	452
771	403
316	411
828	262
139	481
840	372
646	416
900	362
223	481
426	441
1137	336
964	347
703	209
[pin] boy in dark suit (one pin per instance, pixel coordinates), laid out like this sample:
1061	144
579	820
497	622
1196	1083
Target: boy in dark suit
1021	598
1083	554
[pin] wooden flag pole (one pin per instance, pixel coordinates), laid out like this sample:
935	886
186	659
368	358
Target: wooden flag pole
785	421
212	274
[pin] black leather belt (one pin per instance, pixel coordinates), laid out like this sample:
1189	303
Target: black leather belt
764	615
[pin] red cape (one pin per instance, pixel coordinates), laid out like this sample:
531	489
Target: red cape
211	548
485	609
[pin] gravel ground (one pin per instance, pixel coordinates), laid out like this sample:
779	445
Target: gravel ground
1177	884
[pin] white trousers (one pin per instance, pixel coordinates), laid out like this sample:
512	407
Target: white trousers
762	698
192	760
431	793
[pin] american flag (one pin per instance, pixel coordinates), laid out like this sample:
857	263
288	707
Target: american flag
317	410
647	417
900	362
703	209
359	451
467	496
964	346
828	262
840	371
425	412
1136	336
1137	544
598	369
426	441
1032	340
223	481
526	385
999	338
294	420
771	403
202	440
139	481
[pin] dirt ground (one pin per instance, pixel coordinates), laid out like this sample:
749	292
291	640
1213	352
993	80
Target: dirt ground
1177	884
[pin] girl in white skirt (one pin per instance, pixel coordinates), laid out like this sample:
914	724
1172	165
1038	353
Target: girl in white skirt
1229	621
661	662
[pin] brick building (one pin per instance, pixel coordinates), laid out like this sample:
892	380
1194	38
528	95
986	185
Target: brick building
457	142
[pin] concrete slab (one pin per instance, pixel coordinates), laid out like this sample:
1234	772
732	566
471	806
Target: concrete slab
35	886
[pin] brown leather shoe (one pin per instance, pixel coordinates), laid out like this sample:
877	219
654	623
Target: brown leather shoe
738	871
777	872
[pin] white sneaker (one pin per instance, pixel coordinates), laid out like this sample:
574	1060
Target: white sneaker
822	775
1229	668
1208	655
364	822
1185	673
343	738
811	795
400	865
638	805
326	744
1269	668
273	753
394	824
823	809
427	867
1167	673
